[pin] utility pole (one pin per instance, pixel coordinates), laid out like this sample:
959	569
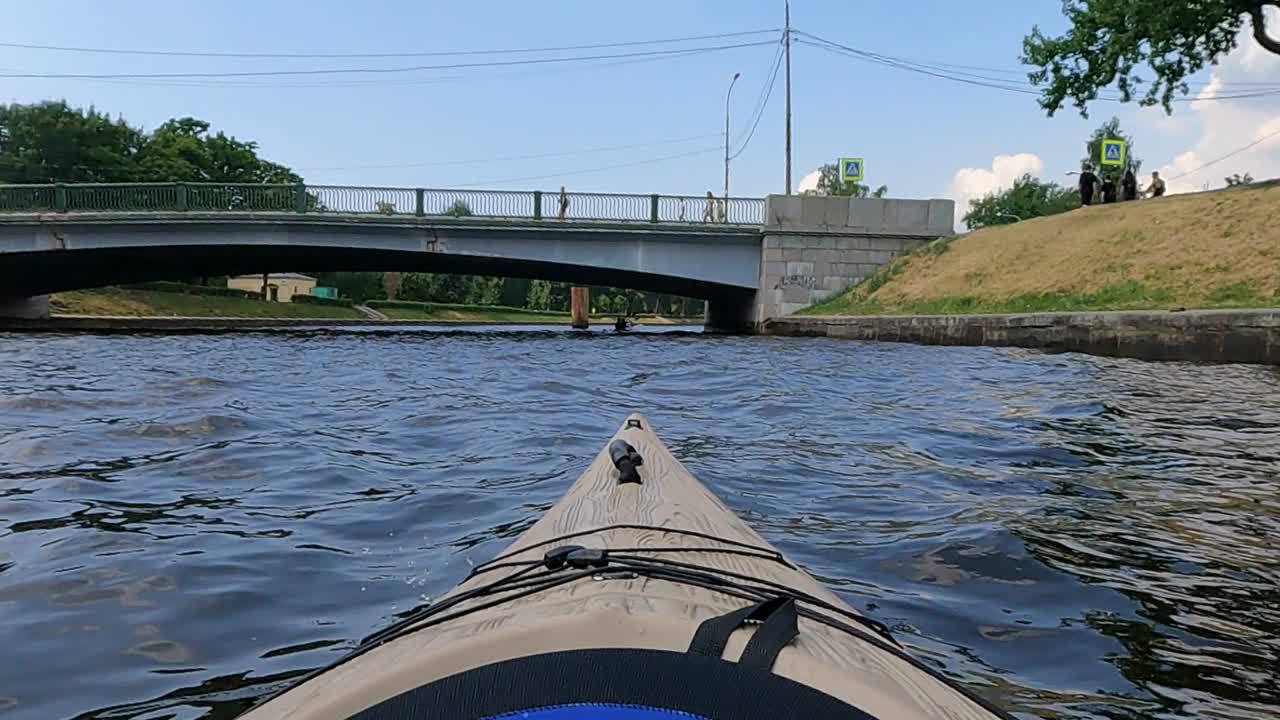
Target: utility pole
786	43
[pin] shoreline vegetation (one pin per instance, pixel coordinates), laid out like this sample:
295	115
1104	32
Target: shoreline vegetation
1214	250
130	302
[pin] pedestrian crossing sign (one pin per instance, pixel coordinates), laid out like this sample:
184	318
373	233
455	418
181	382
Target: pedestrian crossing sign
1112	152
851	169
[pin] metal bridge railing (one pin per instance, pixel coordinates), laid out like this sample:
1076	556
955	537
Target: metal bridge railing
703	209
420	202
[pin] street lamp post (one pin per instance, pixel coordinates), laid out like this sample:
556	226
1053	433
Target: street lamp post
727	95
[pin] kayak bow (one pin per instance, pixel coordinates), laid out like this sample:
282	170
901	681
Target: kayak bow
638	596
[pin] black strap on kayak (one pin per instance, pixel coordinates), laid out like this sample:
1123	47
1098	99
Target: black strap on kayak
778	621
766	553
626	459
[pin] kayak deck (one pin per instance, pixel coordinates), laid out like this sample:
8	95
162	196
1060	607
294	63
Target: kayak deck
669	519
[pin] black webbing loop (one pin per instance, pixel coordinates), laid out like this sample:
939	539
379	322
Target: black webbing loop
777	617
778	630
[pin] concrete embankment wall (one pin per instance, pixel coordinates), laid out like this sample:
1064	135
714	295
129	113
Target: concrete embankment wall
1218	336
814	246
24	307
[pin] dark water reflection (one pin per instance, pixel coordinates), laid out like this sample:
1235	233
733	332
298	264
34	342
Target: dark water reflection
186	522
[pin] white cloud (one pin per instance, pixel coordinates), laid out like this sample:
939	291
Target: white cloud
1229	125
1155	117
809	181
973	183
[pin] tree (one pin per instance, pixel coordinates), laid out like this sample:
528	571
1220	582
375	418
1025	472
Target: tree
1027	198
458	209
1108	40
52	142
1110	130
829	183
182	150
485	291
358	286
514	292
539	295
391	285
1238	180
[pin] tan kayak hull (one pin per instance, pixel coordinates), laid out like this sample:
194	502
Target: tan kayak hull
617	613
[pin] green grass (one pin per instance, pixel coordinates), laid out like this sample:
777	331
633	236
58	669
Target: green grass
1237	293
148	303
1231	263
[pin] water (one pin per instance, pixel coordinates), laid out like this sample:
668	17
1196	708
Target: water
188	521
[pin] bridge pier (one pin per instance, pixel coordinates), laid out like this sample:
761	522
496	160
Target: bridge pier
25	308
813	246
730	314
579	307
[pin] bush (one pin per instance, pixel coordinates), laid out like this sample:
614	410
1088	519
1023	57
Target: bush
317	300
185	289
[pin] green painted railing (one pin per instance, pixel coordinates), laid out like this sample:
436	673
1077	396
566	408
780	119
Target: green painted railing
340	199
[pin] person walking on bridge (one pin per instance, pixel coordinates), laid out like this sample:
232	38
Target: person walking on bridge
564	202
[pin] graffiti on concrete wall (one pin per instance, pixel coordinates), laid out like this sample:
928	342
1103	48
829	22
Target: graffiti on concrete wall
808	282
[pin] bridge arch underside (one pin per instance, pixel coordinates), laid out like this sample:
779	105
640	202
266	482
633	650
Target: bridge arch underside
43	272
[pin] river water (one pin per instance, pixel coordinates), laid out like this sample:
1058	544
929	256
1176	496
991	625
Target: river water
188	521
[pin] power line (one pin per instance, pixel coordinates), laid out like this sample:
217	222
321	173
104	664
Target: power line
1231	154
385	82
605	168
951	67
764	86
586	151
368	55
378	71
767	92
847	51
1022	87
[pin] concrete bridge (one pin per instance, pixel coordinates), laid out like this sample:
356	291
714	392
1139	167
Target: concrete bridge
751	259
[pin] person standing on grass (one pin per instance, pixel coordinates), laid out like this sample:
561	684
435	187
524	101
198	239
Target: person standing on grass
1157	185
1129	186
564	202
1108	190
1088	184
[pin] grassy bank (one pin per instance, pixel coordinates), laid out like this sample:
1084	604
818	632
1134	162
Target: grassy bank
1208	250
149	303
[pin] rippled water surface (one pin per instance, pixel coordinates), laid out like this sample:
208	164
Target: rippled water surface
188	521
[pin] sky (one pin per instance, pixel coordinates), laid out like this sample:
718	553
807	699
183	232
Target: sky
642	123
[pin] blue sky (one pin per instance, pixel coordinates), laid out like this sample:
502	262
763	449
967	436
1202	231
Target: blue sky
921	136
